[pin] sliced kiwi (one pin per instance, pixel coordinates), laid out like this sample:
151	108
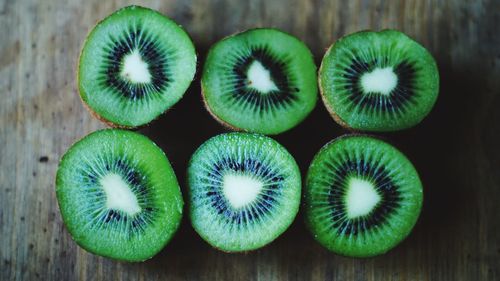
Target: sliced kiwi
362	196
118	195
261	80
135	64
378	81
244	191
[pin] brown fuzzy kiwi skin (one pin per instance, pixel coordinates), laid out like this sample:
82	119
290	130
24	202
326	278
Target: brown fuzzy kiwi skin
352	134
328	106
89	109
222	122
58	206
205	103
217	118
108	122
85	105
102	119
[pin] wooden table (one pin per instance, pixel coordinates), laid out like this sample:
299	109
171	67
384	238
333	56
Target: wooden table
454	149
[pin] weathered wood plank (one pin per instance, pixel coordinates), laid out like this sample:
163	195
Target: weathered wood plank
455	149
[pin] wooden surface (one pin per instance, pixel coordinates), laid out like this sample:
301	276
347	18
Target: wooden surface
455	149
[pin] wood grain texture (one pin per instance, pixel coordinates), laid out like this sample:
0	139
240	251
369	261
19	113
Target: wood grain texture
455	149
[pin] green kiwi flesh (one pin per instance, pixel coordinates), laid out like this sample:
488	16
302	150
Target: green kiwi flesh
118	195
135	64
244	191
362	196
378	81
261	80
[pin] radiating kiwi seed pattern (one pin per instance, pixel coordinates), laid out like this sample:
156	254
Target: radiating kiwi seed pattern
372	172
260	80
247	96
136	38
262	204
244	191
93	200
134	65
397	102
362	196
378	81
118	195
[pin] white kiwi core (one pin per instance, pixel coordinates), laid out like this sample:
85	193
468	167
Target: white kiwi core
241	189
380	80
135	69
118	194
361	197
259	78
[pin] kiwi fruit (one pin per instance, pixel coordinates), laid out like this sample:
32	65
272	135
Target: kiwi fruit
362	196
134	65
378	81
244	191
261	80
118	195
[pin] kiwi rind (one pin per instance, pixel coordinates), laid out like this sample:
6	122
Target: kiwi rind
366	250
276	127
329	107
222	122
124	123
290	197
417	115
172	206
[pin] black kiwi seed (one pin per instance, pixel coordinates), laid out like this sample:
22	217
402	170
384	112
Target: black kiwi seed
401	98
362	196
135	64
118	195
281	98
136	38
244	191
261	80
378	81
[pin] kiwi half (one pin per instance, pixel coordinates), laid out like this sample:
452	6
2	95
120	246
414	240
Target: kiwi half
362	196
244	191
378	81
118	195
261	80
134	65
